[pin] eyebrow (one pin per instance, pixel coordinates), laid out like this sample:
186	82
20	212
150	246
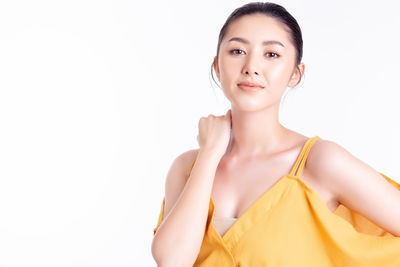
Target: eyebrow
268	42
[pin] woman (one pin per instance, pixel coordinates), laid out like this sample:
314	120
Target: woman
255	193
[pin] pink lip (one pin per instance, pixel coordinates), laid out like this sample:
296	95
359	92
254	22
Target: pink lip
246	87
248	83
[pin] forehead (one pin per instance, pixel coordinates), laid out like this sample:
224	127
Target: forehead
258	27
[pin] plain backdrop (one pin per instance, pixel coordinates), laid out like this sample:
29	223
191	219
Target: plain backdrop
97	98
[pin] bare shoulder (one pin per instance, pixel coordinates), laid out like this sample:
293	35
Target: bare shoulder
188	158
330	162
355	184
327	159
321	154
181	164
177	177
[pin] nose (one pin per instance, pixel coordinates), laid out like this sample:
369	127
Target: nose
255	72
251	66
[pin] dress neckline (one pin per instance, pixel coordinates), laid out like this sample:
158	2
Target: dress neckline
293	174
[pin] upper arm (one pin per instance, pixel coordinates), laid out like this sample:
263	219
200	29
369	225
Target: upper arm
357	185
176	178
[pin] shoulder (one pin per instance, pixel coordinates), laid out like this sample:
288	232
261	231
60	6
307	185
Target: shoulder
355	184
329	160
182	164
187	158
324	154
333	167
177	178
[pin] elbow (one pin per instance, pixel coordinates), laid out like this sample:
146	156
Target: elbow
162	258
168	262
173	264
155	252
167	255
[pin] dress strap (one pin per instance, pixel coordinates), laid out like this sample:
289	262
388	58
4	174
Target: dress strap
302	157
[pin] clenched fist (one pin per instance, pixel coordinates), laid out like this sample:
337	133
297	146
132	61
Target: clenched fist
215	132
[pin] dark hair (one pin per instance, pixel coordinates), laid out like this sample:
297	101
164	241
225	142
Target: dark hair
272	10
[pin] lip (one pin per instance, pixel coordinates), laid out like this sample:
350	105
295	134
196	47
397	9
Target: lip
246	83
252	87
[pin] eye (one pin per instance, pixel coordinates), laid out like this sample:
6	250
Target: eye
274	55
234	50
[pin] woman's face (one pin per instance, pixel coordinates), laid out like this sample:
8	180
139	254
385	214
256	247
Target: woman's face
271	65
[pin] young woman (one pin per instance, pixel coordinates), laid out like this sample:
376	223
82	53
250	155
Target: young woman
258	194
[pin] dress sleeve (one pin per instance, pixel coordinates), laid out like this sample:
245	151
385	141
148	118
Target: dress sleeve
361	223
160	217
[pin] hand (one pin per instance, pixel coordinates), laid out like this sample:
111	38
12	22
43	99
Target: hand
215	132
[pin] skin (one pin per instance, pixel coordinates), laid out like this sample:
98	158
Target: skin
261	151
259	154
250	137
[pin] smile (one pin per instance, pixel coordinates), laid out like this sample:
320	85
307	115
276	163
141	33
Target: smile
249	88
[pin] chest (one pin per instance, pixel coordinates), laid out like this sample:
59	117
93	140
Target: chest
236	189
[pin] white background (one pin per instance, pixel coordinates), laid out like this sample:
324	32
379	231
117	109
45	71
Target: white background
98	97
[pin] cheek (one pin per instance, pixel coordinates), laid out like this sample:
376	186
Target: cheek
278	73
278	78
228	69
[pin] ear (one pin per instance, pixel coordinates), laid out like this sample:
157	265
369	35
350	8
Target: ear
216	68
296	75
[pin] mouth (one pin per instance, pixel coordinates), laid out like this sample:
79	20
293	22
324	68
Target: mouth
249	88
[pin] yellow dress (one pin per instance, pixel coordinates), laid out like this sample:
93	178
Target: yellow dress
290	225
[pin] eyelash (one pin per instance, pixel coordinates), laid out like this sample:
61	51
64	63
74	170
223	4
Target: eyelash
231	52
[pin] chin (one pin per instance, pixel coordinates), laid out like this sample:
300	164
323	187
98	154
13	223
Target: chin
250	107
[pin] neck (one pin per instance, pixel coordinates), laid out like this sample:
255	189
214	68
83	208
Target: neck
255	133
